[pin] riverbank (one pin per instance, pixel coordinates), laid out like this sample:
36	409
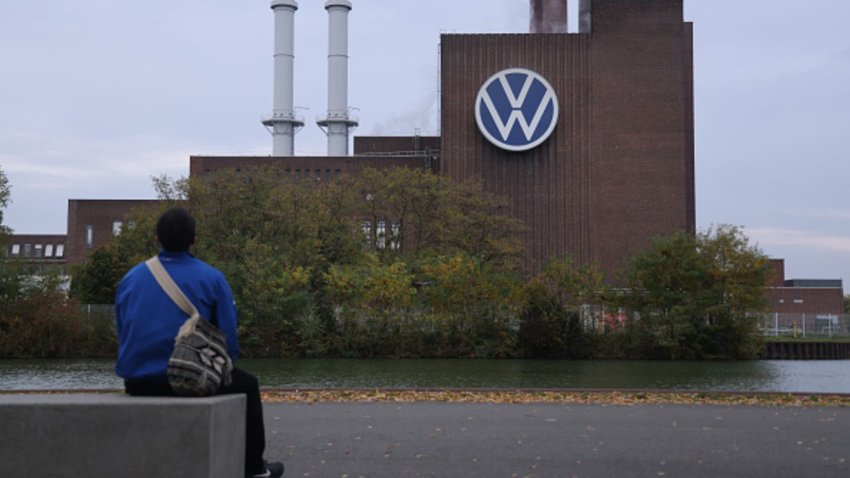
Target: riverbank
609	397
782	376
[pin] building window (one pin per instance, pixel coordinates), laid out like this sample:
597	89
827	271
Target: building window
381	235
798	301
116	228
16	249
89	236
48	250
395	239
27	250
60	250
367	233
39	250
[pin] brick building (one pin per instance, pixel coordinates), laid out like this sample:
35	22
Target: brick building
618	168
607	112
803	296
47	251
91	224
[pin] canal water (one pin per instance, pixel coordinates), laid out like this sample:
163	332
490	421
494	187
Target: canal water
831	376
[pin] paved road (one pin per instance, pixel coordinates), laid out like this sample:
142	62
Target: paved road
471	440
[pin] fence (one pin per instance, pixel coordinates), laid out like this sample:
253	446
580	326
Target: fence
805	325
100	314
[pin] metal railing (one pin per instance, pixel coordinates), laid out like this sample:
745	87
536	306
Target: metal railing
777	324
99	313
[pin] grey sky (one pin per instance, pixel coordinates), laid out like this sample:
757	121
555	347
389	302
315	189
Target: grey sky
97	96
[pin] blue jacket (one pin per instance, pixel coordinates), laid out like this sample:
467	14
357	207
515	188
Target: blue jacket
147	320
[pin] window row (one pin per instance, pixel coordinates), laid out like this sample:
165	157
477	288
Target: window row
38	250
379	237
319	174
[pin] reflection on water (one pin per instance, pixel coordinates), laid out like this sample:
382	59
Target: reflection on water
779	376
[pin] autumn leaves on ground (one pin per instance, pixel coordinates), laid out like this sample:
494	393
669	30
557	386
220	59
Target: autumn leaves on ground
609	397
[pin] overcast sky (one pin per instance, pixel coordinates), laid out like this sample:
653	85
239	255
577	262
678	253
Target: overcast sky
98	95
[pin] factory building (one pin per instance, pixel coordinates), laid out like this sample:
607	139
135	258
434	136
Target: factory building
589	136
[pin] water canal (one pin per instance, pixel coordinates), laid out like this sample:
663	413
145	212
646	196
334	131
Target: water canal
831	376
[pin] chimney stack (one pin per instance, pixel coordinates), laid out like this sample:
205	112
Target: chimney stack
548	16
338	123
283	124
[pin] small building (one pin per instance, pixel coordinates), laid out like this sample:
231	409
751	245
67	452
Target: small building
91	224
805	306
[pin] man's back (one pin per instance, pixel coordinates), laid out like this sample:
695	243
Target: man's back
148	320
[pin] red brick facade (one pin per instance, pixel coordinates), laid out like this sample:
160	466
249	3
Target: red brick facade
323	168
796	296
91	223
618	169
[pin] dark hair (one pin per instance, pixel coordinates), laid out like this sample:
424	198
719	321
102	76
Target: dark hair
176	230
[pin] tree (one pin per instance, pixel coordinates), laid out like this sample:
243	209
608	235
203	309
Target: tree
10	277
699	296
413	213
5	198
299	260
550	324
847	304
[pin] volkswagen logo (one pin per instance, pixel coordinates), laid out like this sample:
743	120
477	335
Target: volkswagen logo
516	109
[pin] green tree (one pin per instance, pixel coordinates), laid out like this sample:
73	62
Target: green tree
550	324
5	199
847	304
10	276
306	276
473	303
699	296
413	213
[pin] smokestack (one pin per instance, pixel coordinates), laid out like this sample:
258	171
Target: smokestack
338	123
282	124
548	16
585	18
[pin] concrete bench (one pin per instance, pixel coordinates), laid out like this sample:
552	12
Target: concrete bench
92	435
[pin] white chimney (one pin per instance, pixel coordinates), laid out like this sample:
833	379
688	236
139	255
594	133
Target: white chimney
338	123
283	124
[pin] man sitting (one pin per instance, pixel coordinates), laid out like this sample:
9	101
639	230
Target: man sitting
148	320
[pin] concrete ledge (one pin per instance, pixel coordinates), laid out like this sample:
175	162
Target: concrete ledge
90	435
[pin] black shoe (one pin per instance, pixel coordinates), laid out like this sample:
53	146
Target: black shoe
272	470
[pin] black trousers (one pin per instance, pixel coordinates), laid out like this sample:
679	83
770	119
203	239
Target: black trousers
243	382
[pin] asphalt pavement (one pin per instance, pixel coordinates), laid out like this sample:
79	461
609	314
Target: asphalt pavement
353	440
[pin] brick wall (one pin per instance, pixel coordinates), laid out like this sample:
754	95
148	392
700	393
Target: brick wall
618	169
100	215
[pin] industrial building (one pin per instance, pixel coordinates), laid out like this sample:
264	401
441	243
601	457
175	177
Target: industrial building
589	136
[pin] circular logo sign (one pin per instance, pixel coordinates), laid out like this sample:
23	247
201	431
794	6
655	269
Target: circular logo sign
516	109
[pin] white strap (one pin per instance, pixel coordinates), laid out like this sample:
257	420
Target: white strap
167	283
